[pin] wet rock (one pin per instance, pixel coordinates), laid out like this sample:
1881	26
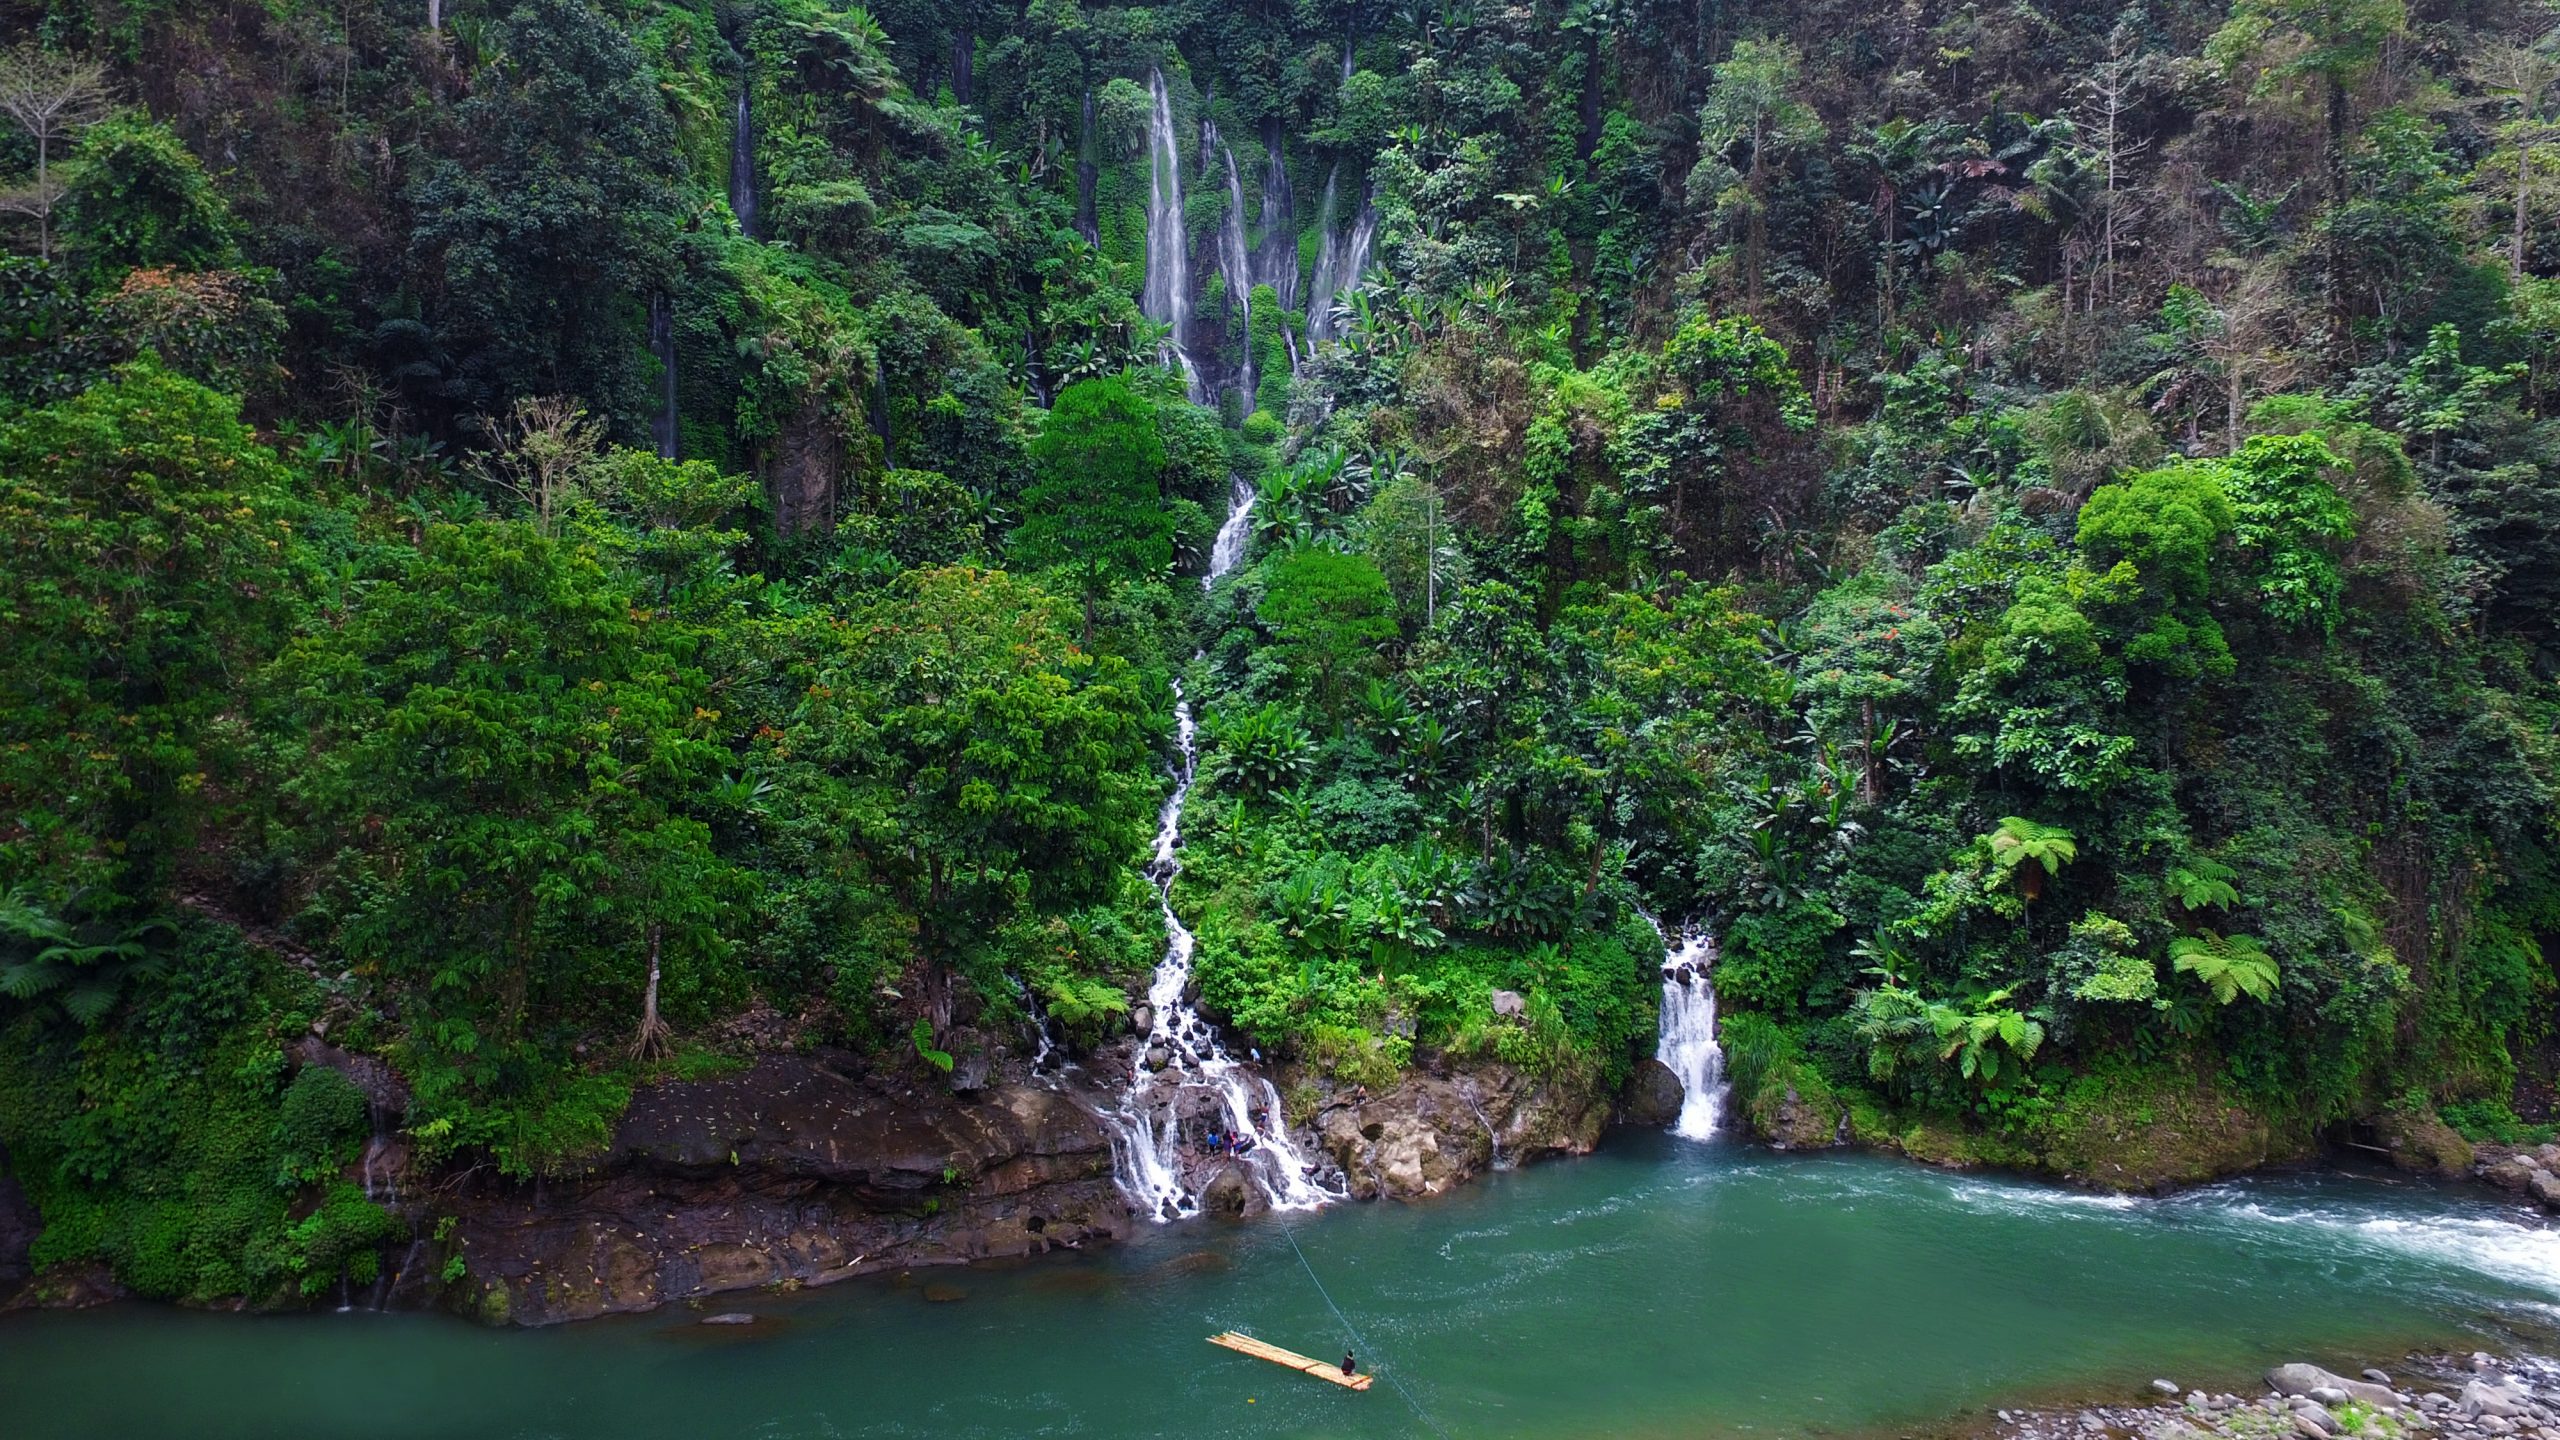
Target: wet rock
2509	1174
2165	1387
1227	1193
2301	1379
1158	1057
801	1170
2311	1429
2419	1141
972	1061
733	1317
1509	1005
1653	1095
2496	1397
1791	1121
2544	1187
1142	1019
1429	1133
2376	1376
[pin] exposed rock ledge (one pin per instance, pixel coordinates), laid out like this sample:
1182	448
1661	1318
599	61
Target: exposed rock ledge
795	1172
1431	1132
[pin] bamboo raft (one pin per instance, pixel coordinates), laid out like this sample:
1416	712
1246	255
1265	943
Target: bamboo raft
1247	1345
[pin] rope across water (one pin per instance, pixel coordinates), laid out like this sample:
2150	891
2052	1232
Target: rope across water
1353	1331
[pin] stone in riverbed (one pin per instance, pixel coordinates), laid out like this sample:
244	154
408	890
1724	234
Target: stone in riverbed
734	1317
2376	1376
2542	1185
2301	1379
2509	1174
2165	1387
1227	1193
1653	1095
2497	1398
2326	1395
1158	1057
2309	1428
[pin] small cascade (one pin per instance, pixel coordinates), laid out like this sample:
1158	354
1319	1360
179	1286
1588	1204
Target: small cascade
1088	174
1235	263
379	1172
1339	262
662	343
742	166
1183	1083
1687	1043
1167	299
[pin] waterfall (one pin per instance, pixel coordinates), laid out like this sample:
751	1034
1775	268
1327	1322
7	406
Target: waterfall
1338	264
1167	300
1235	263
379	1172
1687	1043
662	343
1275	260
742	166
1087	174
1183	1082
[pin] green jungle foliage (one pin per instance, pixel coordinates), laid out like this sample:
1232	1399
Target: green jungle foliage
2041	528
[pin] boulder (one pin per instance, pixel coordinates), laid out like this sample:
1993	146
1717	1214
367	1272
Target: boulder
2165	1386
2544	1186
1509	1005
1226	1193
1790	1121
1158	1057
1653	1097
2420	1141
2301	1379
2509	1174
2495	1396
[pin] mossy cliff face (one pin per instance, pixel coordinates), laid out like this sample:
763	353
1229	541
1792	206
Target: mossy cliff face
2130	1129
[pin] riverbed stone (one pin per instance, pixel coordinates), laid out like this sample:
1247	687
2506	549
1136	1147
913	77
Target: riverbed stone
2544	1187
2494	1396
1654	1095
2301	1379
2165	1386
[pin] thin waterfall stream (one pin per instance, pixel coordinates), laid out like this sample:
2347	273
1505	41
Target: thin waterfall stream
742	165
1687	1043
1183	1083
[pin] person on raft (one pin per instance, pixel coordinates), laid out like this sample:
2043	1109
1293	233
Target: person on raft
1350	1366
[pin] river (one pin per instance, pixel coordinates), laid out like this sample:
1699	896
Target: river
1658	1288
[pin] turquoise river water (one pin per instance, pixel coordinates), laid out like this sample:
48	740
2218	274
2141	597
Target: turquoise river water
1659	1288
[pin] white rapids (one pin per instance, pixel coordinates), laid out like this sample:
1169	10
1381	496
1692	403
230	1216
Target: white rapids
1687	1043
1198	1082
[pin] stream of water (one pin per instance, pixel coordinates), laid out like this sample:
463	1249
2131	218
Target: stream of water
1184	1085
1659	1288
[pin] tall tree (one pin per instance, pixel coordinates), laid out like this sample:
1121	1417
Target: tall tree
50	96
1097	509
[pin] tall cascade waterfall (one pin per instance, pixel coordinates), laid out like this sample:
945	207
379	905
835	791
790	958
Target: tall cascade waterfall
1182	1073
1339	261
662	344
1235	264
1167	300
742	166
1275	261
1687	1044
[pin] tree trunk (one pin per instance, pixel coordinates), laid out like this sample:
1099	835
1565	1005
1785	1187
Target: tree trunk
651	1042
2524	181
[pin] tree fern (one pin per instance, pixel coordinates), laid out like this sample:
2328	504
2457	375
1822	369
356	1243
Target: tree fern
2201	883
2229	965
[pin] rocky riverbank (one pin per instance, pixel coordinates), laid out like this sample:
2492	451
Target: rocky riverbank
797	1171
2475	1397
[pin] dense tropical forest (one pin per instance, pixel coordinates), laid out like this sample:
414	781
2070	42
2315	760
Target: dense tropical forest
563	543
